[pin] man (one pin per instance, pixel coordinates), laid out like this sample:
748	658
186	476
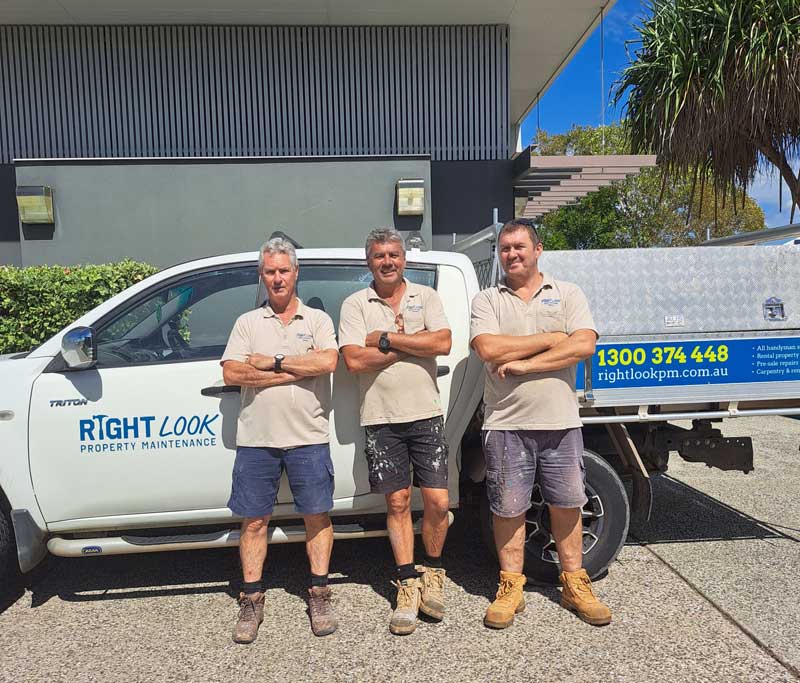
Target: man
531	331
390	334
282	355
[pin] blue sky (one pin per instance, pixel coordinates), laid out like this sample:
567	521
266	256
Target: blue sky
576	97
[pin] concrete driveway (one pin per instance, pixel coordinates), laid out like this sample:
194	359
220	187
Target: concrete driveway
706	592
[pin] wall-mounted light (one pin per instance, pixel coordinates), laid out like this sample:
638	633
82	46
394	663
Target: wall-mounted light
35	204
410	197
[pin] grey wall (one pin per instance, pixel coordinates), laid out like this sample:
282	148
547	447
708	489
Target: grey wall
164	213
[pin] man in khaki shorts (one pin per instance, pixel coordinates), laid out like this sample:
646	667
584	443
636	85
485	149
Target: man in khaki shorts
281	355
531	331
390	334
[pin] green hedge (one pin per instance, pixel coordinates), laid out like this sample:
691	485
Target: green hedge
37	301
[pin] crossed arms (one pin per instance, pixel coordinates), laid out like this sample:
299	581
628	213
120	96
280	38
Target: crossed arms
369	358
542	352
257	371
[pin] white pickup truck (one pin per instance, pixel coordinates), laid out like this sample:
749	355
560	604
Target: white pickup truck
118	435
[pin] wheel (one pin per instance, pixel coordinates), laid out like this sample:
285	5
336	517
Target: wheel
605	525
9	568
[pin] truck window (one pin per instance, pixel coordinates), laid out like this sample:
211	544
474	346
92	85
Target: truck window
186	320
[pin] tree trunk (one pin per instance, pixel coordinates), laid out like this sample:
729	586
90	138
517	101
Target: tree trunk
778	158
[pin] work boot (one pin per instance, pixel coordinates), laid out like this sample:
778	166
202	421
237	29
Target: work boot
432	592
577	595
404	617
320	609
251	614
508	602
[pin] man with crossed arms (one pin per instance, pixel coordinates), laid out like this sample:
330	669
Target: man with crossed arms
531	331
390	334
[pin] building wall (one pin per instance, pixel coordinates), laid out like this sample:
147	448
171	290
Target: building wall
222	91
168	212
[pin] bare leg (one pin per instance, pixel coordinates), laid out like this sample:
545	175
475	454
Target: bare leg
253	547
319	542
509	538
434	520
568	532
398	523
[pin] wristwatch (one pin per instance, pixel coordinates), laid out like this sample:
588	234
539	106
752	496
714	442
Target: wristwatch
383	343
278	360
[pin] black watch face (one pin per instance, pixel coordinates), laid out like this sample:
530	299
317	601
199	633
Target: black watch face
383	342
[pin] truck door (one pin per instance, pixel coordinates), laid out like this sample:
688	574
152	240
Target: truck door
134	435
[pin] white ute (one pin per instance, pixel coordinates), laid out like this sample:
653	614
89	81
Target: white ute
118	435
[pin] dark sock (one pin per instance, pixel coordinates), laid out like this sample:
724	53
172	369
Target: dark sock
406	571
431	561
320	580
250	587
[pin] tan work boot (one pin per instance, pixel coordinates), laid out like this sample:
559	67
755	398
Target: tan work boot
577	596
432	592
251	614
323	618
508	602
404	617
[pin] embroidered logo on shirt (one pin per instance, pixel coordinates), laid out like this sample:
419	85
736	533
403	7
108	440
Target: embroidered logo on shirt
304	336
551	302
414	308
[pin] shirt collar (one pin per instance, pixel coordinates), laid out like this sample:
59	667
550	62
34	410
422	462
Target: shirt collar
547	283
299	313
412	290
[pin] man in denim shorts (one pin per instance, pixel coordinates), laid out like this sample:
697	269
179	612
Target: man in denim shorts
531	331
390	334
282	355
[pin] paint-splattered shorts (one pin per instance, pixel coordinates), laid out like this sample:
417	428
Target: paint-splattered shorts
512	460
392	449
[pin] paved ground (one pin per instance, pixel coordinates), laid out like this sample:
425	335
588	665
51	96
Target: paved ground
707	592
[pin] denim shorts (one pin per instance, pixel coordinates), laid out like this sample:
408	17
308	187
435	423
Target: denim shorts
257	476
392	449
516	459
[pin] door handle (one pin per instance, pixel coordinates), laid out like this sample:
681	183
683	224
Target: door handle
217	390
442	370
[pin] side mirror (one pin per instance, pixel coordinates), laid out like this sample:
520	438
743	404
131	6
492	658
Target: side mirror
79	349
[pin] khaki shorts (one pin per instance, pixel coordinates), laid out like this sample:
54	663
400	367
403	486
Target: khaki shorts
514	458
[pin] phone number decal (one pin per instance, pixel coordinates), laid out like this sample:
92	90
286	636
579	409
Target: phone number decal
729	361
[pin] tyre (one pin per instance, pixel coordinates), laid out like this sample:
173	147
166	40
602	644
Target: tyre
9	568
605	525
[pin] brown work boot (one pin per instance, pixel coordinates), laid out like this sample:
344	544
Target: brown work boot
577	595
251	614
508	602
320	609
432	592
404	617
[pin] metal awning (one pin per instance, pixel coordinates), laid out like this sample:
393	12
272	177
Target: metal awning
546	183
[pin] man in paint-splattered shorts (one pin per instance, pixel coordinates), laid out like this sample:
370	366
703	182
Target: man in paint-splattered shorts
390	334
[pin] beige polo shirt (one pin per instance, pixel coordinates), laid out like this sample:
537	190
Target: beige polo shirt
541	400
287	415
406	390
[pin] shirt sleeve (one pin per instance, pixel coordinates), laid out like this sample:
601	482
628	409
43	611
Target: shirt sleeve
483	319
324	336
352	326
239	345
579	317
435	318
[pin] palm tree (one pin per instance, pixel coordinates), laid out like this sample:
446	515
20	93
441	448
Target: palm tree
714	90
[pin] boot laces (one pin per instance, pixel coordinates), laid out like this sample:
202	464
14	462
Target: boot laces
405	594
435	580
582	585
247	609
505	589
320	604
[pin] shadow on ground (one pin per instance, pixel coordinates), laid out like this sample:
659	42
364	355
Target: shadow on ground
680	514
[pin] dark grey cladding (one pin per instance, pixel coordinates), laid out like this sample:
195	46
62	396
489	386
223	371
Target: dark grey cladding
189	91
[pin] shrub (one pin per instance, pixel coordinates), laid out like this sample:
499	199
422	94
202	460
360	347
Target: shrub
37	301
